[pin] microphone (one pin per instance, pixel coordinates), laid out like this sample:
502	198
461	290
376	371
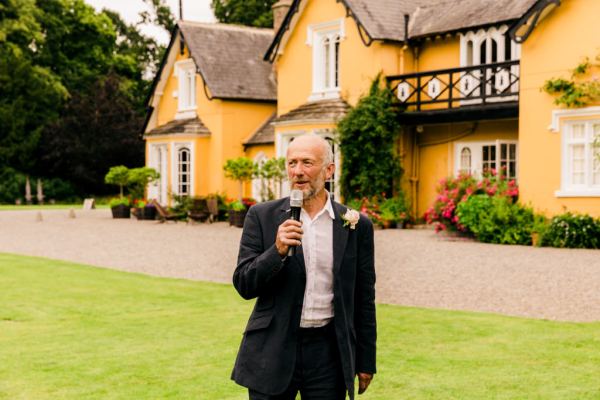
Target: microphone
296	197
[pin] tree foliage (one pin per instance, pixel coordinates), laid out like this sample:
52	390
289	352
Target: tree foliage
244	12
368	135
73	83
97	129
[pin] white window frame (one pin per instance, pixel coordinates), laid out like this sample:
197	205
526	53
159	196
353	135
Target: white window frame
325	71
476	149
158	159
257	194
175	166
473	57
185	71
588	188
283	141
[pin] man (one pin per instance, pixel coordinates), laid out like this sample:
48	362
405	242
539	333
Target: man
313	325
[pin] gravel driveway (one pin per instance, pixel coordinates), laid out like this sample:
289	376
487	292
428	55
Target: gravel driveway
414	267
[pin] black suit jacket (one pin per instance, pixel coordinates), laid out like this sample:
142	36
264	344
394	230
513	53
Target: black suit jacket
267	354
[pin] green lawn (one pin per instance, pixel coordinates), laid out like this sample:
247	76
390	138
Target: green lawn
69	331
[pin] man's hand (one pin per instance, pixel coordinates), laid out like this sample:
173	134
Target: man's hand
288	234
364	380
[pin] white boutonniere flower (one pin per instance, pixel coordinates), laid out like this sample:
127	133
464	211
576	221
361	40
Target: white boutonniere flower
351	218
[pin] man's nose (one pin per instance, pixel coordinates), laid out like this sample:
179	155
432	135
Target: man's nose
297	170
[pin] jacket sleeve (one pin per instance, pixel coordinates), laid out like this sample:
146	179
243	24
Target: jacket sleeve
364	297
257	265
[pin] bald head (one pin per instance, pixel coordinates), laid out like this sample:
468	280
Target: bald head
315	144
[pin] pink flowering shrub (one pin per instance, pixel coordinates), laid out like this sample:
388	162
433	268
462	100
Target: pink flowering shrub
452	191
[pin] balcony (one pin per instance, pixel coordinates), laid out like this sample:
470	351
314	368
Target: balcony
487	91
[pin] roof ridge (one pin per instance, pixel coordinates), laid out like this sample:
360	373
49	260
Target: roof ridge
233	27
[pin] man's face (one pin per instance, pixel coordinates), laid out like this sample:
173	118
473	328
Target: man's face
305	167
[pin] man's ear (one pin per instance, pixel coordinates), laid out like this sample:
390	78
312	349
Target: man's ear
329	170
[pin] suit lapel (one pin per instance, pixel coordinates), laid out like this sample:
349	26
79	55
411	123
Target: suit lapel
340	236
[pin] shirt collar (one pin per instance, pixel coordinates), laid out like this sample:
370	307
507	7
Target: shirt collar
327	208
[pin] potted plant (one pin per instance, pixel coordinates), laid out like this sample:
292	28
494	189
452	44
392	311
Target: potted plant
139	178
144	210
241	169
237	213
119	176
120	207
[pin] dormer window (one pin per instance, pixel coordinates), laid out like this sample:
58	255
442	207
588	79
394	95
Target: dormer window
186	93
325	41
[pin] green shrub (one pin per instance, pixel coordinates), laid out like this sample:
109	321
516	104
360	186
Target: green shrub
118	201
12	185
453	191
573	231
395	209
60	190
496	219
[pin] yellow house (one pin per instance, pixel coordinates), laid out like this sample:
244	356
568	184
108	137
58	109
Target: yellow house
212	94
467	73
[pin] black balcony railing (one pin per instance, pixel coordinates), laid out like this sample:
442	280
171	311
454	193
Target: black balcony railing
458	87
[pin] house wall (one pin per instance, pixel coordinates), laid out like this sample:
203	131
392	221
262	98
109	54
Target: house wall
557	45
239	121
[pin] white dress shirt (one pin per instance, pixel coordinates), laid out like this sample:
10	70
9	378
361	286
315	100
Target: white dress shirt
317	246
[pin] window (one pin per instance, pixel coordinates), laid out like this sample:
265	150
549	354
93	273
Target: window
477	157
486	47
186	75
325	39
581	158
183	171
465	160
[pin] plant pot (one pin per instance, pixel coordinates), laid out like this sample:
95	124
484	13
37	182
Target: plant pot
145	213
120	211
236	218
388	224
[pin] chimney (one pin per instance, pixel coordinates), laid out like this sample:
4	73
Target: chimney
280	9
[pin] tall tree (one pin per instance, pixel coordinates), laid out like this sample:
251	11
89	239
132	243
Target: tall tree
244	12
30	94
98	129
161	15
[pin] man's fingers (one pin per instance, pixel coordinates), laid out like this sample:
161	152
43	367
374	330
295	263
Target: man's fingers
363	382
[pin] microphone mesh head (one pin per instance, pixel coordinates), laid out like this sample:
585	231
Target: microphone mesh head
296	197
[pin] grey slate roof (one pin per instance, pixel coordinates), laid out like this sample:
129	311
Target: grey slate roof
323	110
265	134
453	15
384	19
229	58
193	126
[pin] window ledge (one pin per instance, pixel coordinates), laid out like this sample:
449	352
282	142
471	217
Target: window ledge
578	193
325	95
186	113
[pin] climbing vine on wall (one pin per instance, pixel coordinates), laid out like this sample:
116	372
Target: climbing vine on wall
368	135
578	91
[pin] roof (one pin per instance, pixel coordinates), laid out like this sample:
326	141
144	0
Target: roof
385	19
229	58
432	18
323	110
265	134
190	126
